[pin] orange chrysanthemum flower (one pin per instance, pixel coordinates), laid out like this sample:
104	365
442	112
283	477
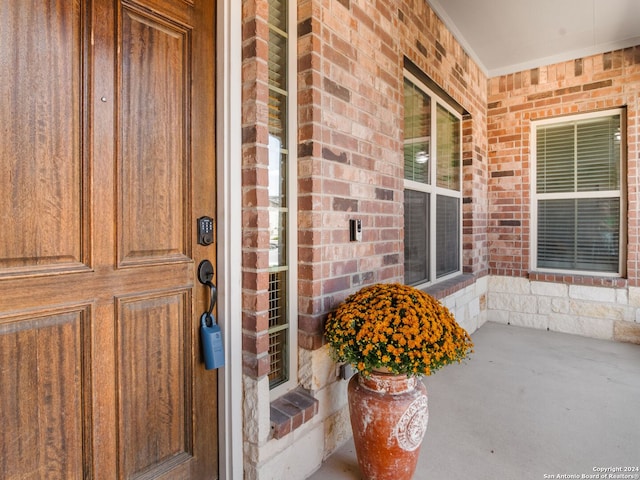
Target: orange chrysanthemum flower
395	327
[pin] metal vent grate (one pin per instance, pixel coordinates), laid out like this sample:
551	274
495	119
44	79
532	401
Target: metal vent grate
278	328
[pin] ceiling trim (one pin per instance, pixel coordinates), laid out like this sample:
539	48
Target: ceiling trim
565	56
448	22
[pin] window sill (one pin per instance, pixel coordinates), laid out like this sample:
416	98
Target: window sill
291	411
450	286
585	280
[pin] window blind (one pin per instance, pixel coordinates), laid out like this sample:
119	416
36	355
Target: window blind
578	169
447	235
579	156
579	234
416	236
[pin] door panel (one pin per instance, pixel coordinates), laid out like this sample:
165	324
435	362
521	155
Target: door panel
41	156
154	66
43	415
155	398
107	160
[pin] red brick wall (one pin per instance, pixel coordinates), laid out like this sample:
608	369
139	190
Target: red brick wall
427	43
255	200
350	154
584	85
351	56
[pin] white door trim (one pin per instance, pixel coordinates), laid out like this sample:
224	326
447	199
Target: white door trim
229	232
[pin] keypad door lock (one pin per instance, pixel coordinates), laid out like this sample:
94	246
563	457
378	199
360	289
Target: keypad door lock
205	231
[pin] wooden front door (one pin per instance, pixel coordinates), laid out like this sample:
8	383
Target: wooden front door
106	161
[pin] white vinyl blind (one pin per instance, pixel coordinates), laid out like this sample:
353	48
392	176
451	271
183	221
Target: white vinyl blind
578	195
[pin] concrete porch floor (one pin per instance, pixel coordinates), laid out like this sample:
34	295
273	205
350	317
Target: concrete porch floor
528	403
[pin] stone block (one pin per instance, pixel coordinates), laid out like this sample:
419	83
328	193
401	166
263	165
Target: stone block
548	305
465	320
332	398
626	332
317	369
622	296
634	296
548	289
482	318
474	307
257	427
513	302
529	320
481	286
509	285
498	316
337	430
597	310
585	326
290	463
596	294
466	297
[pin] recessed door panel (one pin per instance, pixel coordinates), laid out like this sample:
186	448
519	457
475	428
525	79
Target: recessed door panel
42	180
41	409
154	395
154	117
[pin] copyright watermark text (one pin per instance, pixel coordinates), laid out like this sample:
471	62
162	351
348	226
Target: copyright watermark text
631	472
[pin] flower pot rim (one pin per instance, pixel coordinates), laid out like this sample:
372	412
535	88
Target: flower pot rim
387	382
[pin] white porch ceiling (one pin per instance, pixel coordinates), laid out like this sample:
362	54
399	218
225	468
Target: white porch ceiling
506	36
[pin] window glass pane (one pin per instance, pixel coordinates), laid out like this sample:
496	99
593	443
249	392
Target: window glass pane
448	149
416	161
579	234
416	236
598	151
277	173
277	237
417	133
447	235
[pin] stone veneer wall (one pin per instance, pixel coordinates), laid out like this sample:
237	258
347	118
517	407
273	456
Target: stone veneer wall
609	313
350	165
594	306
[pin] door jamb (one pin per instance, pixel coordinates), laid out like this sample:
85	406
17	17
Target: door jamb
229	233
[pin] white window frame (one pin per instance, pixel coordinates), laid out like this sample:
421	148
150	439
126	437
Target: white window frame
621	193
432	189
292	204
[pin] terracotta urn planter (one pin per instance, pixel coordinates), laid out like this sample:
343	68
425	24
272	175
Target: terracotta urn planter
392	335
389	417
